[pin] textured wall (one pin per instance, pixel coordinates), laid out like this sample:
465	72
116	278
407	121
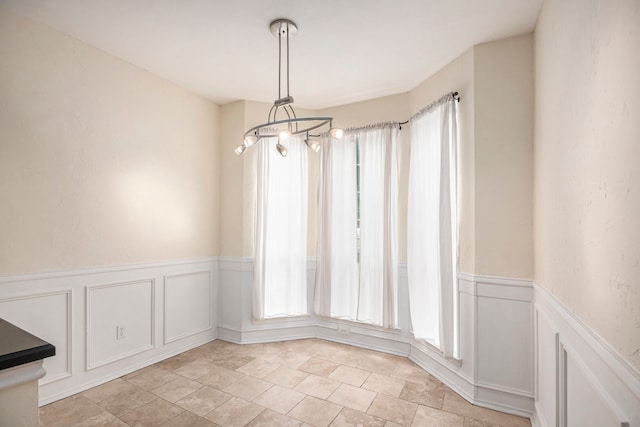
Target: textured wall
101	163
587	174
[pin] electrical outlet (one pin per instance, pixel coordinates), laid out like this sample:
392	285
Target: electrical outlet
119	332
342	329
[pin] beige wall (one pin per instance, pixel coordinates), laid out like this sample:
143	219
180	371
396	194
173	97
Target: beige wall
503	117
101	163
587	152
232	181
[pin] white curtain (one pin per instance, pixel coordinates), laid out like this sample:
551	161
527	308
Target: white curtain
364	291
280	259
337	272
432	225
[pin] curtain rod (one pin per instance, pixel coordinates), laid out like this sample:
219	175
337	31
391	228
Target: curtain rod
454	95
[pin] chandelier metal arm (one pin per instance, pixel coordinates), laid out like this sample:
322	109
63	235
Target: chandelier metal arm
321	122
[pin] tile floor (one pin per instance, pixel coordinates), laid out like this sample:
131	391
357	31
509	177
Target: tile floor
294	383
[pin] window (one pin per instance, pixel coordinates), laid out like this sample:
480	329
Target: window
356	275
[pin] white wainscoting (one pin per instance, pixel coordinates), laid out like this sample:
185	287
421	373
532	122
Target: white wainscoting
496	368
496	333
165	309
580	379
188	305
119	321
48	316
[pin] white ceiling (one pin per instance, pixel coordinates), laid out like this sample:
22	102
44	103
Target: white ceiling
345	50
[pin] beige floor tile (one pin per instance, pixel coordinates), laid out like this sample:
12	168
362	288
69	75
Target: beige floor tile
188	419
423	394
352	418
326	349
353	397
383	384
266	351
279	399
104	419
316	412
426	416
247	388
412	373
127	400
376	363
177	389
152	414
286	377
472	422
269	418
220	377
196	368
150	377
319	367
395	410
203	400
316	386
175	362
234	362
258	368
70	411
234	412
106	390
291	359
349	375
457	405
302	346
350	357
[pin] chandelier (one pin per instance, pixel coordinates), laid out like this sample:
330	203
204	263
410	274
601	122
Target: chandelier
288	124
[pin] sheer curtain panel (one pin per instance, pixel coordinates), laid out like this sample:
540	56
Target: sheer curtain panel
280	259
360	288
432	225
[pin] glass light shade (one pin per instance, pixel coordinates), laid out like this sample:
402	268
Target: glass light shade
240	149
314	145
336	133
249	140
281	149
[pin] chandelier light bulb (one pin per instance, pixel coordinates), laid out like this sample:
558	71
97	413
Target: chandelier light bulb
249	140
336	133
314	145
240	149
284	135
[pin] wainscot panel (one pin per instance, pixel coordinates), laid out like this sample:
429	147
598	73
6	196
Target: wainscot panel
580	379
52	324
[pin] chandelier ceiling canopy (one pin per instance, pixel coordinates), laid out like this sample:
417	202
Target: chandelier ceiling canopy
287	124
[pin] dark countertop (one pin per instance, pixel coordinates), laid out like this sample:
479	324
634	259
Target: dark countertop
18	347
